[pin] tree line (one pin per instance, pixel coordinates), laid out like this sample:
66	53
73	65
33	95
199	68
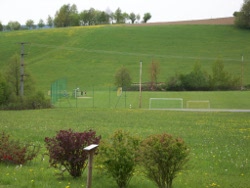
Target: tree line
196	80
68	15
242	17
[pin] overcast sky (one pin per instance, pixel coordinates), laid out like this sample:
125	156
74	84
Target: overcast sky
161	10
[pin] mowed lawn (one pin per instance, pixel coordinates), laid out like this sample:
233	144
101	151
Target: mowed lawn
218	141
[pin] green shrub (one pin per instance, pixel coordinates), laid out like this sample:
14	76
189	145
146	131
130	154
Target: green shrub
14	152
118	156
163	156
66	150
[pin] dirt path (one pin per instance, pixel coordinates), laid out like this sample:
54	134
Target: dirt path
215	21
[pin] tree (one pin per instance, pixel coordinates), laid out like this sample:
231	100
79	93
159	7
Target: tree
30	24
138	17
50	21
220	79
242	18
13	78
122	78
89	17
196	80
67	16
13	75
4	90
41	23
74	16
119	16
147	16
13	25
154	70
1	26
103	18
132	17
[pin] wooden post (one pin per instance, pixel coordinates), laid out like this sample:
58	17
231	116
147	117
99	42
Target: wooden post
91	150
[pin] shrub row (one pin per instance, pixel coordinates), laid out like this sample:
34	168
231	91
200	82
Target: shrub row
161	156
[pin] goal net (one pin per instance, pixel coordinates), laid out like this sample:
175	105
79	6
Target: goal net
195	104
165	103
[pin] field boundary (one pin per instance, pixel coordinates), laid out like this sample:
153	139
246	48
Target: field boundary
204	110
211	21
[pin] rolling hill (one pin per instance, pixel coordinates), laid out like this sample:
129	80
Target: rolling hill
91	55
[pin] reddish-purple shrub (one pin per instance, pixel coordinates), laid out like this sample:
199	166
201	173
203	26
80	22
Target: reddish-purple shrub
66	149
12	151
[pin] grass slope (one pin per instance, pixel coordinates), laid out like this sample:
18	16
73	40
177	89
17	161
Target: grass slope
91	55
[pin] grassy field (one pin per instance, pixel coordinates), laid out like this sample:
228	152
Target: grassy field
219	144
91	55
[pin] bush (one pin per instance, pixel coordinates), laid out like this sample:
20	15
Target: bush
118	156
163	156
14	152
66	150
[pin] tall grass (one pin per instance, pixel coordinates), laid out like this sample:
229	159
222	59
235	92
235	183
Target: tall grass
218	142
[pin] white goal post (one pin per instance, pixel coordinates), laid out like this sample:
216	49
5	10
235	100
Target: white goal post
198	104
165	103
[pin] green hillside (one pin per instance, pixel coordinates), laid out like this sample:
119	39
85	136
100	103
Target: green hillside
91	55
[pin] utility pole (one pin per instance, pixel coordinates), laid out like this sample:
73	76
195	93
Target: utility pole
140	91
22	68
242	62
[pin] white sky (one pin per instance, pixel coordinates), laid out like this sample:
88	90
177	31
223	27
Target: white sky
161	10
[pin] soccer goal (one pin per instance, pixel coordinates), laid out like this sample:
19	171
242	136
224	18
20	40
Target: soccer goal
198	104
165	103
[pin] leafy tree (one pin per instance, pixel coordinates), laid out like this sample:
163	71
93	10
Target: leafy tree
1	26
174	83
122	77
196	80
67	16
132	17
13	74
74	16
242	18
13	78
50	21
4	90
41	23
13	25
30	24
220	79
162	157
138	17
154	71
147	16
103	18
119	16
